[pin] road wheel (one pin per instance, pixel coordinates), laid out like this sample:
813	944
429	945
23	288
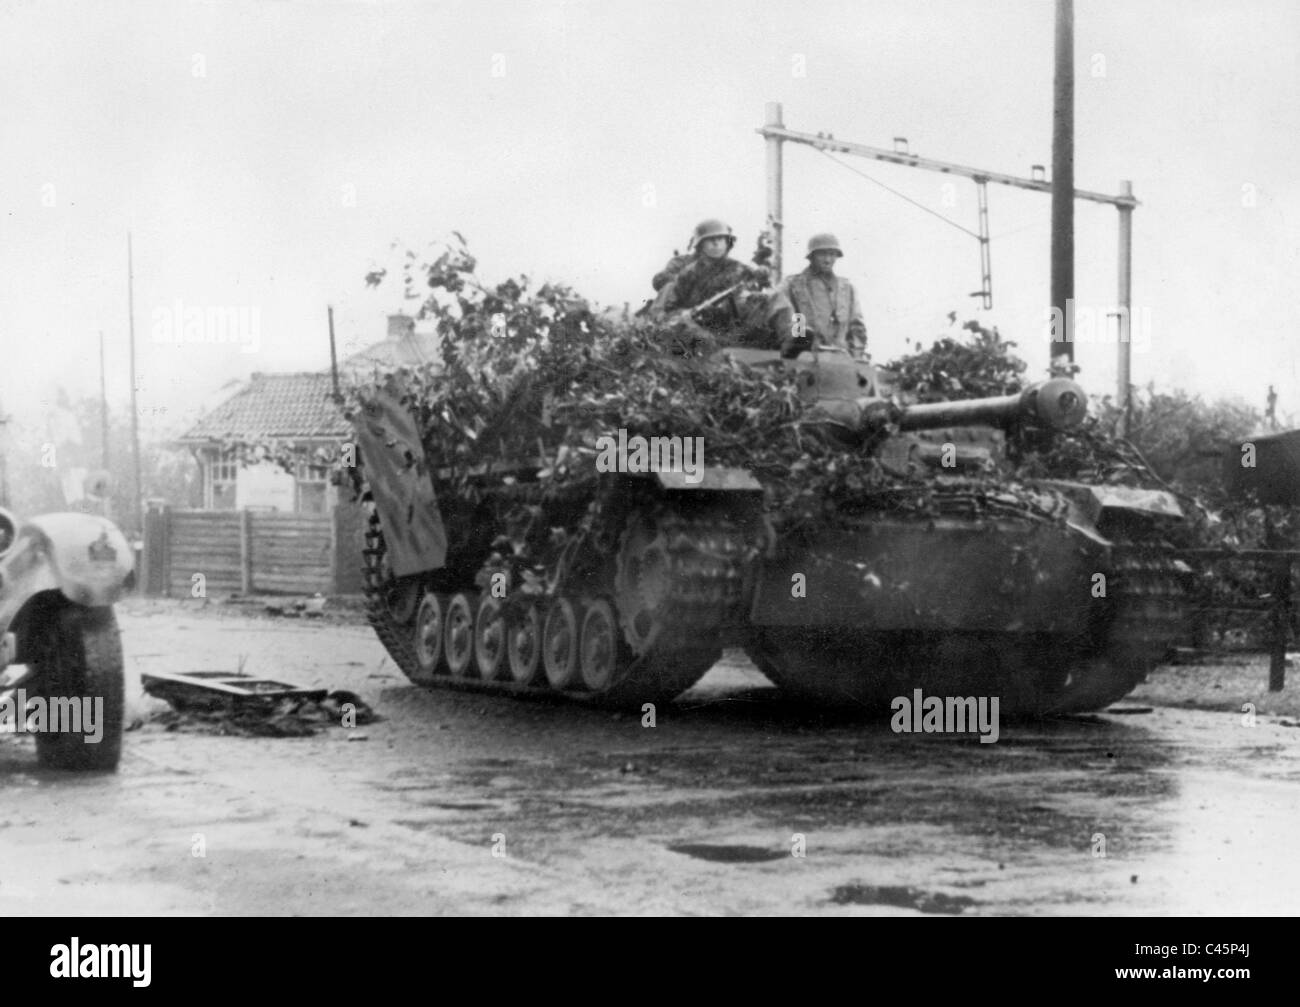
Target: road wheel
80	656
524	646
600	647
428	637
459	633
560	644
489	639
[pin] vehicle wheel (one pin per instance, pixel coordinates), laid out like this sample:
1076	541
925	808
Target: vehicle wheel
428	637
459	632
524	646
600	647
560	644
80	656
489	639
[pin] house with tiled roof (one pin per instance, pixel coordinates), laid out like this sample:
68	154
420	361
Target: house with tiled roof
284	407
297	407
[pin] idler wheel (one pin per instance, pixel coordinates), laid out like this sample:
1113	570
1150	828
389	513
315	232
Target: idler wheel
560	644
489	639
599	649
459	635
524	645
402	598
428	635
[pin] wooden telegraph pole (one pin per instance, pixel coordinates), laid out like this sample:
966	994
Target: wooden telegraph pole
1063	190
138	516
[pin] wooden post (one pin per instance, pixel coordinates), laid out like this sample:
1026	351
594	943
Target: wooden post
166	551
245	552
1280	611
1279	620
148	555
334	549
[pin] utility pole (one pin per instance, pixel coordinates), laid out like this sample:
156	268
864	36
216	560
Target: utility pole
103	405
1062	191
103	424
334	360
138	516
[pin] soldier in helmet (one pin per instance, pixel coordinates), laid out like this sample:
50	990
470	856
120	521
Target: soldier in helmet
827	304
712	272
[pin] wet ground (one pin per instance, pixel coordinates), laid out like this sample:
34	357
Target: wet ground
734	802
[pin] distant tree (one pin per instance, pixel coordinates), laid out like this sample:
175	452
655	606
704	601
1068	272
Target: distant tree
1183	436
45	460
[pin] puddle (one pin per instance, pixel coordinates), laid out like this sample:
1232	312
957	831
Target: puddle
728	854
901	896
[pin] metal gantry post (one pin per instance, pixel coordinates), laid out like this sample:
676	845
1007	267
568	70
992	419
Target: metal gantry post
775	220
1124	379
986	258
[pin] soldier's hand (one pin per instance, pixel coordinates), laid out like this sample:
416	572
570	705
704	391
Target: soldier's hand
792	346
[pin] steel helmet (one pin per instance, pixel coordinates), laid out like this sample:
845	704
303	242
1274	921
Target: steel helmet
824	243
713	229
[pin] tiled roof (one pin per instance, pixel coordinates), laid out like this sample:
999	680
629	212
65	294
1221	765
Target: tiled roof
409	351
274	405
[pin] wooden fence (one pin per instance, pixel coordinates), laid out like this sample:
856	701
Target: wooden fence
249	552
1273	566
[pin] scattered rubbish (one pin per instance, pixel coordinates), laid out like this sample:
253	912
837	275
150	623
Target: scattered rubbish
312	608
219	702
207	690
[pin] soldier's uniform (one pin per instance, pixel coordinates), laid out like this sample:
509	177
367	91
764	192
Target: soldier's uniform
675	265
828	303
744	317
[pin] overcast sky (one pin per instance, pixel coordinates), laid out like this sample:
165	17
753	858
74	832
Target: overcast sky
265	155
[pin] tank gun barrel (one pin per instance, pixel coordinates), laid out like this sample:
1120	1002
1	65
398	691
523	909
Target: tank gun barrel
1058	404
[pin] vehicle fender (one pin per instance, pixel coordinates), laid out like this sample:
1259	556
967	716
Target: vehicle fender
86	557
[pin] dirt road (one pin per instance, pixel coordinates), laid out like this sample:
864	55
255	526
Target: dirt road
733	803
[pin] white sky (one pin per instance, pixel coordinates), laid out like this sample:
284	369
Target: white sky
231	139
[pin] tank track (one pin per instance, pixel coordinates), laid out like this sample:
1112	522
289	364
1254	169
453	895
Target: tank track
708	555
1149	618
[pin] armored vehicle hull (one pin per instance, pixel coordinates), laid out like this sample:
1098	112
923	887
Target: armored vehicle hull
1050	595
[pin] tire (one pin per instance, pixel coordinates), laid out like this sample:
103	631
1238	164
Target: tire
78	653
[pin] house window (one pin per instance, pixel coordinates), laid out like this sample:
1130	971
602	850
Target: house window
313	481
223	470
